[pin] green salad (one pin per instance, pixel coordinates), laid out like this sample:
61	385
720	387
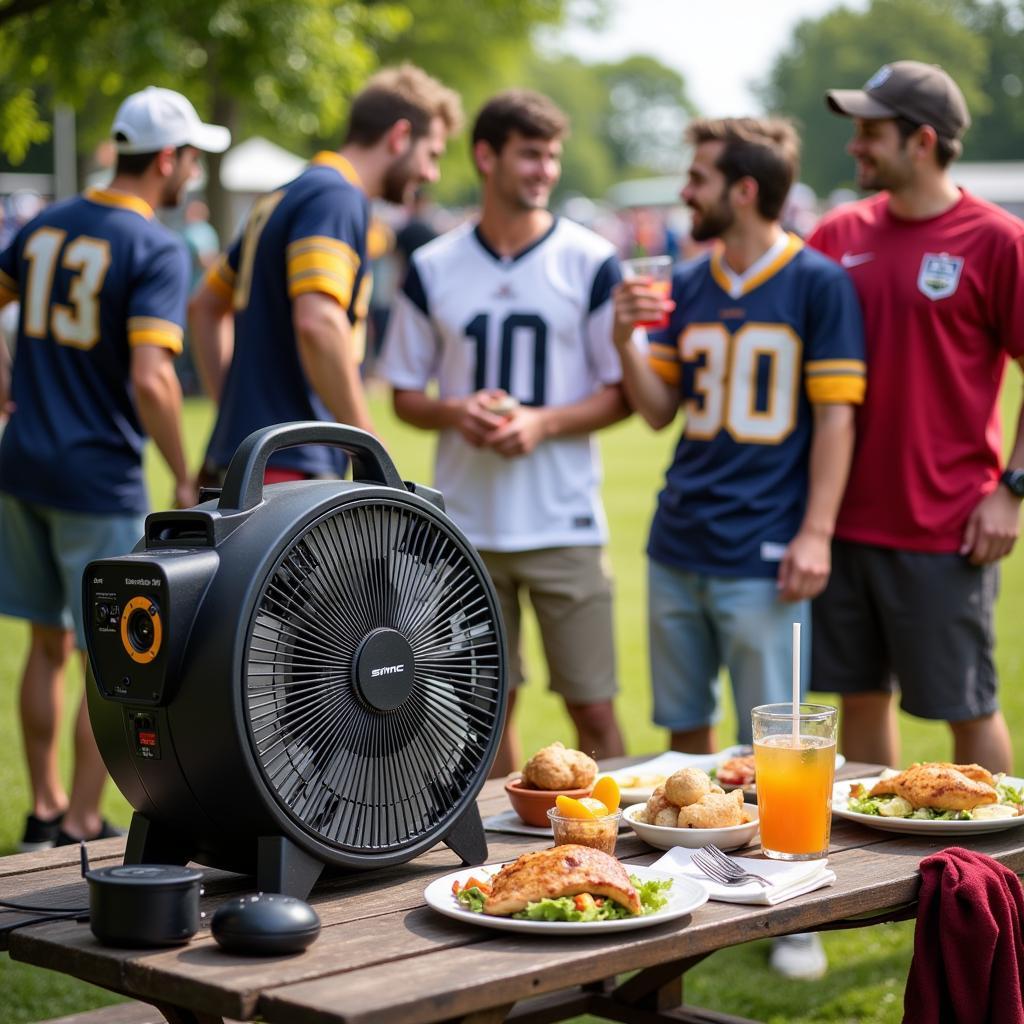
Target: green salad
583	907
1009	805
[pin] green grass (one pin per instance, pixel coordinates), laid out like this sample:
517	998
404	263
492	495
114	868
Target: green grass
865	982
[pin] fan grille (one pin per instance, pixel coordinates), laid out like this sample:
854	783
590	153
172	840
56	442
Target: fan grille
356	777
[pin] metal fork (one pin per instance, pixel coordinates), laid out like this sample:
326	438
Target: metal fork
717	866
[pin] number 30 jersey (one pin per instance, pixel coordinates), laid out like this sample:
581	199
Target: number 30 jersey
95	275
537	325
750	355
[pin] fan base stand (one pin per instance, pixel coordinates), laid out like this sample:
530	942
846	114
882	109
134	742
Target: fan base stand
283	867
148	843
466	837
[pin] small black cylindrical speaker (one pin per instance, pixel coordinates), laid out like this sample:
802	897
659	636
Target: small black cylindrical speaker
144	905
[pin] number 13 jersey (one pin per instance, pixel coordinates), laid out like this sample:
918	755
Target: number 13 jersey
537	325
750	356
96	275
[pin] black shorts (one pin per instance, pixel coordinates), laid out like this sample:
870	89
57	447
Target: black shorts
916	621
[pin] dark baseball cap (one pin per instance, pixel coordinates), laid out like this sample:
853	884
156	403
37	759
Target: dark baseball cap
921	93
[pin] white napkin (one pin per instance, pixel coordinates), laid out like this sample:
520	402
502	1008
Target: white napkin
788	878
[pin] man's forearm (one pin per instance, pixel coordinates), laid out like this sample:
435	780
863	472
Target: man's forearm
1015	460
831	454
426	412
332	371
653	398
212	337
598	410
158	402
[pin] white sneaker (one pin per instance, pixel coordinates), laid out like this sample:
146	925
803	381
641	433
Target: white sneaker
800	957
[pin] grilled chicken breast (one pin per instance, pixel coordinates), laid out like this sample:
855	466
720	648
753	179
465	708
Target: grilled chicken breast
947	787
561	871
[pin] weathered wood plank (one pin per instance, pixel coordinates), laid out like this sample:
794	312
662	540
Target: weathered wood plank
437	986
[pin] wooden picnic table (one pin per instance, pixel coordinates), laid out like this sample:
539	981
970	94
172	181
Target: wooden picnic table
385	957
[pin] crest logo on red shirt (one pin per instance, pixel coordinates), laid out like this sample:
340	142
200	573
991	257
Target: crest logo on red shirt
939	275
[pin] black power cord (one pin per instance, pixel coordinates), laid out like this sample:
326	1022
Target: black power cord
48	913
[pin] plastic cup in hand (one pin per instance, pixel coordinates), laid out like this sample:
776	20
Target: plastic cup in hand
657	270
794	763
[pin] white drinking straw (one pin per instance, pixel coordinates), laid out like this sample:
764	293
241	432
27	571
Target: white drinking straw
796	684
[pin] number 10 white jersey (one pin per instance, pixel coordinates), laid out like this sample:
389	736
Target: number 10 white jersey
538	325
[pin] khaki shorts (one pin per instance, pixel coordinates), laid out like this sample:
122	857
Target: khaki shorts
571	593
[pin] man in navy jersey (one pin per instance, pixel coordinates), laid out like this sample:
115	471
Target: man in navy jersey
512	317
764	353
297	279
103	288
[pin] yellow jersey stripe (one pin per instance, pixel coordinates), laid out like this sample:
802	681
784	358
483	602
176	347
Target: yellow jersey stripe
154	323
657	350
327	262
163	339
668	371
8	282
820	366
6	295
836	390
215	281
325	244
331	286
125	200
793	246
328	158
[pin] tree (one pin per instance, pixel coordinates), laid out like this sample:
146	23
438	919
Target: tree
478	49
844	48
998	134
647	110
289	66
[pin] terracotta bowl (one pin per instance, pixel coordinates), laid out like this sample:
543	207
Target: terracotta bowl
532	805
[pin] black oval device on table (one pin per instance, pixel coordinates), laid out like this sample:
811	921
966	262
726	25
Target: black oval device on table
265	924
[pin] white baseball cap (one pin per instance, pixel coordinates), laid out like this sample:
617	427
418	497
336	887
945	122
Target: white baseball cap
154	118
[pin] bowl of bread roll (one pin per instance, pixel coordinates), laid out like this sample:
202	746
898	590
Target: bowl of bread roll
691	810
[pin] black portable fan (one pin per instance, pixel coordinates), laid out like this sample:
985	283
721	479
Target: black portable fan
304	675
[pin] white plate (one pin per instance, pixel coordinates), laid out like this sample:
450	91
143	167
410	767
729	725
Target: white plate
685	896
661	767
841	794
664	837
510	822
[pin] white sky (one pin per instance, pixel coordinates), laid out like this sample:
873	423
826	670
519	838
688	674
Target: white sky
720	46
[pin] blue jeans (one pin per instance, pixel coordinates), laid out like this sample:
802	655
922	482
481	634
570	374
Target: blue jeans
699	623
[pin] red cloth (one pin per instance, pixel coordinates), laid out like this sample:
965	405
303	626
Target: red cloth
283	476
968	951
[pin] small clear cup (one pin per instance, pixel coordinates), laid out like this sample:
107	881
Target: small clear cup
599	833
658	271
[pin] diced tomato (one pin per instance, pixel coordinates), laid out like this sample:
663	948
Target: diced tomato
584	901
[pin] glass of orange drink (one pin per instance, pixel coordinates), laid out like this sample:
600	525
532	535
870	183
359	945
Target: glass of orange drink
657	272
794	763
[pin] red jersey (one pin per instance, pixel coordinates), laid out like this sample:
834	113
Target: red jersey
943	303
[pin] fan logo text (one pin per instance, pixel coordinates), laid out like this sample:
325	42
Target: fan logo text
387	670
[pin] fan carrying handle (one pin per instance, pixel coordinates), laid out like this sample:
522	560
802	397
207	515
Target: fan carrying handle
243	484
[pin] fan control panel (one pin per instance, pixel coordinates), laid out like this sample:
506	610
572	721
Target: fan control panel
125	617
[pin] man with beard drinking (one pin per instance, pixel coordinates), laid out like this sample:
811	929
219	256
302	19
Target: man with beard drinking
297	278
764	354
